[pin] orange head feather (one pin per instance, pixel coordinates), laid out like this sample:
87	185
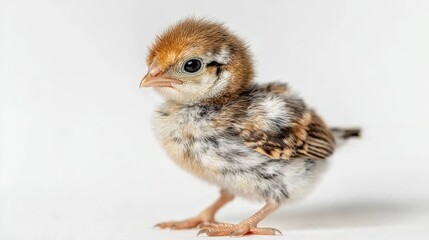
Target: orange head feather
198	60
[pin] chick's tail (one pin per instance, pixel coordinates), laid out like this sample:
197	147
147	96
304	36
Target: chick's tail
345	133
341	135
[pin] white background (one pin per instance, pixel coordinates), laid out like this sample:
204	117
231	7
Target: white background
78	159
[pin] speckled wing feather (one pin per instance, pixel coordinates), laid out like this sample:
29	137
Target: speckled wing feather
277	123
319	143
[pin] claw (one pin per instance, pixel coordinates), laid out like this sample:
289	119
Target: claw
277	232
202	231
201	225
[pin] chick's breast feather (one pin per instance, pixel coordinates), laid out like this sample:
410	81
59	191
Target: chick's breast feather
265	144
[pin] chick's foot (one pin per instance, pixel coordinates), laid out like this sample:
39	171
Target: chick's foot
235	230
205	217
245	227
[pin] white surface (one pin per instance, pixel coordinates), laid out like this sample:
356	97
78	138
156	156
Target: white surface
78	158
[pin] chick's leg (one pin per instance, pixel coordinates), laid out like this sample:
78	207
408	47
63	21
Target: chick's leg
205	217
247	226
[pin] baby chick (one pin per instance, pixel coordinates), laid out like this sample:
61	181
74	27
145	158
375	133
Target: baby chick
257	141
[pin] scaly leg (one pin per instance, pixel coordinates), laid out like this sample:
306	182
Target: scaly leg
247	226
206	216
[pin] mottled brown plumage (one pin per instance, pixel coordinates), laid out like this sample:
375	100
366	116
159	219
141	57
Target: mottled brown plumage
258	141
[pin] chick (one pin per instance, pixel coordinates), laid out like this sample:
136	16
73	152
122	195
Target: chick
256	141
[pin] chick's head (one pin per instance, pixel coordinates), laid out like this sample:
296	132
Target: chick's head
198	60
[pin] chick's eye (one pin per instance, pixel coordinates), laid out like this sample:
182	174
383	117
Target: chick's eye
192	65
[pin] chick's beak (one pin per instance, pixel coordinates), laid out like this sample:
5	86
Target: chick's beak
153	78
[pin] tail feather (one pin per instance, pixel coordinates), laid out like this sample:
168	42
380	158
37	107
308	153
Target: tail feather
346	133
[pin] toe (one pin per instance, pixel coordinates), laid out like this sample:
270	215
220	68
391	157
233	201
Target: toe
225	229
239	232
265	231
214	225
209	231
185	224
177	225
164	225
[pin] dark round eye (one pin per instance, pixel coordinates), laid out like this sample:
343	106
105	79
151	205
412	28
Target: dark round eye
192	65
